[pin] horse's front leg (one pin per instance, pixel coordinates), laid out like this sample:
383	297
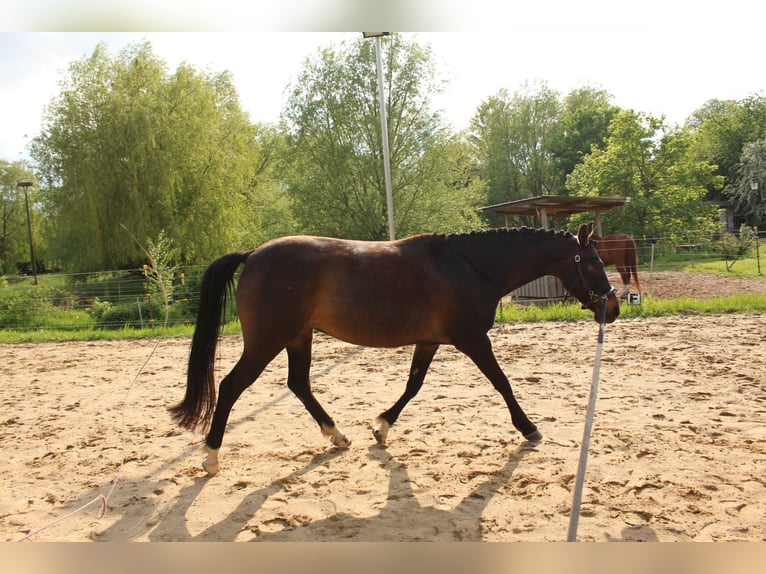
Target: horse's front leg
421	360
480	352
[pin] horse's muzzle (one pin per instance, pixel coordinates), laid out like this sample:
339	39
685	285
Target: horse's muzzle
598	302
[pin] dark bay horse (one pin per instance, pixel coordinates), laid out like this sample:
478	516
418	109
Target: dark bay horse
620	249
426	291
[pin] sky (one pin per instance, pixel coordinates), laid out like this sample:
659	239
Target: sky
654	57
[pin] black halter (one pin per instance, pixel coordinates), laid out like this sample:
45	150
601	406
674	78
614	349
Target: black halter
594	296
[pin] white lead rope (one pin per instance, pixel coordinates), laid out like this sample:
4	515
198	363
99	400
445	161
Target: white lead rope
574	516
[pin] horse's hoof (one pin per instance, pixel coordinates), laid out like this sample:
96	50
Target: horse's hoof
340	441
534	436
380	428
210	464
337	438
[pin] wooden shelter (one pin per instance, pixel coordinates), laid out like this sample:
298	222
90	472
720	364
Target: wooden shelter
547	208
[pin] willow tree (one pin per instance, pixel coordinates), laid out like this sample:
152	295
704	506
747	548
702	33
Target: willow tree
748	192
335	170
128	149
14	233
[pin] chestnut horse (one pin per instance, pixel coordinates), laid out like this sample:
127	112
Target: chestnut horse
426	291
619	249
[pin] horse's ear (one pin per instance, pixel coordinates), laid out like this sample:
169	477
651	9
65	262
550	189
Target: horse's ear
583	235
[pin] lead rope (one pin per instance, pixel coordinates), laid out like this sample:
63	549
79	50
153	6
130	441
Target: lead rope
574	516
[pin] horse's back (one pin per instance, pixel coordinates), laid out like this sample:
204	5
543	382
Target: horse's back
372	293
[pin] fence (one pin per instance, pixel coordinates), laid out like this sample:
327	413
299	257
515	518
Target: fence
131	298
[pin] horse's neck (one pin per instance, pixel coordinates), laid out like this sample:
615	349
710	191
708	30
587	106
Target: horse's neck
511	258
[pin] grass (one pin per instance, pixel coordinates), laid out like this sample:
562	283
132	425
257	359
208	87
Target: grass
749	303
741	268
51	334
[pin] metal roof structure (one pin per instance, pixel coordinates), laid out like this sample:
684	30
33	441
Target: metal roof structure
548	206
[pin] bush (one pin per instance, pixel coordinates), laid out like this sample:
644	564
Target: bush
735	246
27	308
99	308
138	314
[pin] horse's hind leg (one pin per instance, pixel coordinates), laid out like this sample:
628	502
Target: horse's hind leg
480	352
239	378
421	360
625	276
299	363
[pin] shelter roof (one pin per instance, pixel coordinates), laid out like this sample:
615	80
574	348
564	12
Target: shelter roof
557	205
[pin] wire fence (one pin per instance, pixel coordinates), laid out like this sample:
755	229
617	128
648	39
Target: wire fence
131	298
658	253
134	298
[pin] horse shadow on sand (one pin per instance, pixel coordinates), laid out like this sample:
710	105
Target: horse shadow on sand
403	517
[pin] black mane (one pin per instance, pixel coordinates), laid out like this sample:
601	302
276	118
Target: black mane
511	230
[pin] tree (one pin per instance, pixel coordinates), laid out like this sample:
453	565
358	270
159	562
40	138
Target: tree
652	165
749	199
334	172
584	123
14	235
721	129
512	136
126	145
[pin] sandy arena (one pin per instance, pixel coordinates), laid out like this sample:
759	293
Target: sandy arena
678	448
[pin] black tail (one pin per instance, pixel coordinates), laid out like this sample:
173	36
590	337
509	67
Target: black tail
199	402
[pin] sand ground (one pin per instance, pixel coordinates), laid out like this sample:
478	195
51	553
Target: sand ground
677	453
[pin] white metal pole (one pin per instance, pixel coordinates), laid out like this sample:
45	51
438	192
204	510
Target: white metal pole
386	152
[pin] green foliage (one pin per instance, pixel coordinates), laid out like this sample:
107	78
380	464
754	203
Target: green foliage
140	313
583	125
27	307
128	144
533	313
749	202
750	303
334	168
736	246
14	235
512	137
746	267
87	333
721	130
163	256
651	164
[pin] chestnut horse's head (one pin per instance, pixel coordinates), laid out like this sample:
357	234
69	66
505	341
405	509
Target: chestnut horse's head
585	279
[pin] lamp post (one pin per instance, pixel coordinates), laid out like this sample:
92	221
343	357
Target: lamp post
25	185
384	130
754	188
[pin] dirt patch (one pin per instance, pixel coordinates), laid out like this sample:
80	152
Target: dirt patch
670	284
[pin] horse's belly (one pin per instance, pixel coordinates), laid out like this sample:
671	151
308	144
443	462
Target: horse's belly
381	326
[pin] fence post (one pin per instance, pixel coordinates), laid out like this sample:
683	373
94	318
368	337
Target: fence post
140	314
757	251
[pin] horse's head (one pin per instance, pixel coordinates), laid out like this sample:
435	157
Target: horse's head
584	278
